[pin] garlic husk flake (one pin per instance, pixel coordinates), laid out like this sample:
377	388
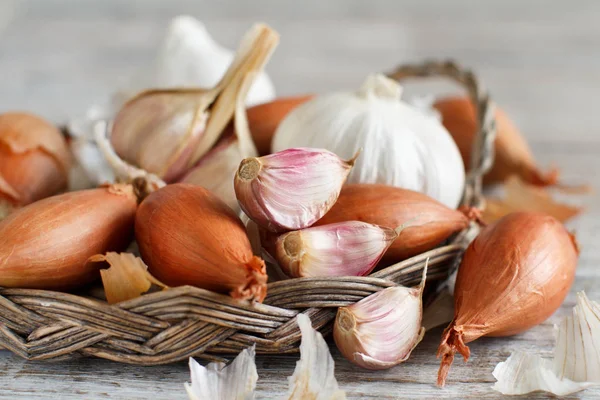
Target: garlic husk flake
217	381
381	330
314	376
401	146
291	189
350	248
576	362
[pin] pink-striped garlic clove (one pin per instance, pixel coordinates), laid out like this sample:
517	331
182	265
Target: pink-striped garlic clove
291	189
351	248
381	330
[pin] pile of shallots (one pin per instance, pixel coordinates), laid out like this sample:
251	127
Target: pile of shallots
328	186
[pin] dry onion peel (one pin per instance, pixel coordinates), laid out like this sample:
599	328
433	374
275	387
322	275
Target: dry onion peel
218	381
513	276
429	221
188	236
166	132
126	278
215	169
314	376
34	160
576	362
521	196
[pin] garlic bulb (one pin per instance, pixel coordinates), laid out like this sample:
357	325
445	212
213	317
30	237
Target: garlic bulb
189	57
401	146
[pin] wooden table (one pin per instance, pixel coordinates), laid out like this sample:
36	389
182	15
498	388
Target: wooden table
541	61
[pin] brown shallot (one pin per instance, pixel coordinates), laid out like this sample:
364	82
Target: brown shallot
47	244
187	236
34	159
512	155
513	276
429	221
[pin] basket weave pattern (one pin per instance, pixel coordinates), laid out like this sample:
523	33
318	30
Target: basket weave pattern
172	325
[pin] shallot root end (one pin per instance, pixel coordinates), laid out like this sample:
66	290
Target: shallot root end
452	341
255	287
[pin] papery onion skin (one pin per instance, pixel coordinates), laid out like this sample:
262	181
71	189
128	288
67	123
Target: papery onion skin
429	221
46	245
512	156
187	236
264	119
34	159
513	276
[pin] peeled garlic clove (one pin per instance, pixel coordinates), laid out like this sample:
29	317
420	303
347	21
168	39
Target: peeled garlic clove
344	249
401	146
291	189
429	221
34	159
190	57
47	244
381	330
188	236
512	153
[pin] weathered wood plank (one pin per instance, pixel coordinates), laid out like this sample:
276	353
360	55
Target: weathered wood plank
540	62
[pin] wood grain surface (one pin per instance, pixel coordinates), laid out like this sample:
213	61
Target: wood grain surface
540	60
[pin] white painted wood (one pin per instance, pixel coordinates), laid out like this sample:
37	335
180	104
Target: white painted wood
540	59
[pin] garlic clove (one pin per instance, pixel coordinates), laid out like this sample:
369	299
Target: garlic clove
350	248
291	189
218	381
314	376
190	57
381	330
215	169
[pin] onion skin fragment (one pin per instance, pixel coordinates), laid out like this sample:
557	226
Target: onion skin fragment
513	276
429	222
512	153
47	244
188	236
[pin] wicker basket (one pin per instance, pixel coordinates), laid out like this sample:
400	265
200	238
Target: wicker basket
172	325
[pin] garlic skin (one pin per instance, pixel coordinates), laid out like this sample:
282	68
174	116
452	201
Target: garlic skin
291	189
218	381
314	376
400	145
350	248
381	330
576	362
190	57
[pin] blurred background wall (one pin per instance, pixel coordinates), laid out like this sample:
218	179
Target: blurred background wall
540	59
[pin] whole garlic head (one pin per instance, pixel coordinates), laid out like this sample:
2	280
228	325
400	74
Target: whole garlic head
400	145
190	57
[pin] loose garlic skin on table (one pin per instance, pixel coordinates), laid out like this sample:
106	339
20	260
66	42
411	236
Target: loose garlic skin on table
400	145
